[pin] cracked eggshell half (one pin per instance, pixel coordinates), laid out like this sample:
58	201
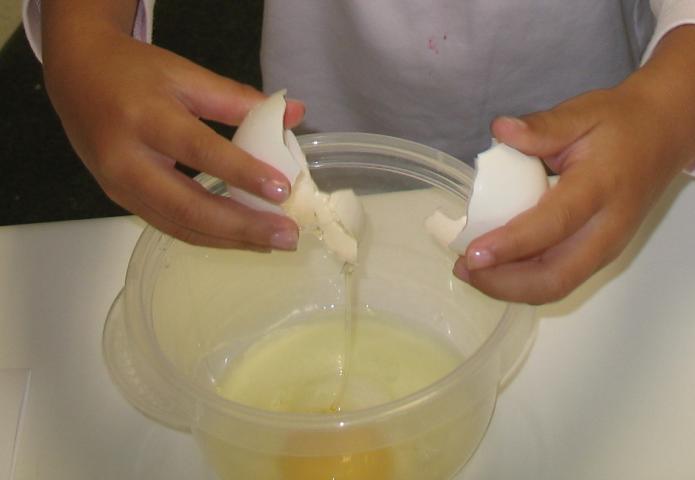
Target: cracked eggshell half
507	183
262	135
335	218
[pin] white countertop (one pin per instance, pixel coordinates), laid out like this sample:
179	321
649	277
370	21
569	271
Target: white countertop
608	391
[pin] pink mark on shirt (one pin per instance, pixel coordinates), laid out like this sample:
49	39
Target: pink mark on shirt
432	44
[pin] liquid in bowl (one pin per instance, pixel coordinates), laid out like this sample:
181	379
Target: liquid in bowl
188	312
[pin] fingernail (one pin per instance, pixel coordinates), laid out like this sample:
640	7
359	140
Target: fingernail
462	273
276	191
515	121
286	119
284	240
479	258
296	102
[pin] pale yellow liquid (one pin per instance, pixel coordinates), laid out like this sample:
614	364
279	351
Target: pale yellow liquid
341	360
300	368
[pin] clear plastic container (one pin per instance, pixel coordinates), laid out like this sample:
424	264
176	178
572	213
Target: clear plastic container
186	312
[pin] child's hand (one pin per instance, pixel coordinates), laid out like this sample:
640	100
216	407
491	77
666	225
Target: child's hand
131	110
616	151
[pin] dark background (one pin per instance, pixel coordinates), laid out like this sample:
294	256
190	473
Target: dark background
41	178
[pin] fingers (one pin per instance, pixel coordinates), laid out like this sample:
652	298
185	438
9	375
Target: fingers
180	205
522	260
182	137
606	187
562	211
177	230
551	134
185	139
552	275
214	97
148	117
294	113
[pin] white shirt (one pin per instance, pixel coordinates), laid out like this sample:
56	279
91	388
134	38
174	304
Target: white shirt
438	74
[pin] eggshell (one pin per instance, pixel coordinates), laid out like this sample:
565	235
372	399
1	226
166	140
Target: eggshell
507	183
262	134
444	229
335	218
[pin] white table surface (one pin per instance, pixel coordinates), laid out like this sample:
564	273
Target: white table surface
608	391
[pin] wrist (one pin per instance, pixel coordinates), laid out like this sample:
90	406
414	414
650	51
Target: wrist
70	27
79	62
665	86
71	46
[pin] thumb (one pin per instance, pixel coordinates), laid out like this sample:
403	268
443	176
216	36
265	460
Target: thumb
214	97
548	134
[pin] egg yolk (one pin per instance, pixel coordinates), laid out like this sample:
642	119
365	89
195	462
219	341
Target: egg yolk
368	465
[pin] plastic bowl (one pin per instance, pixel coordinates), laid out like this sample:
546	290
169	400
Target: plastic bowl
185	312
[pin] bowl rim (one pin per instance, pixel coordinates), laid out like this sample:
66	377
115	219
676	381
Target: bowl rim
151	238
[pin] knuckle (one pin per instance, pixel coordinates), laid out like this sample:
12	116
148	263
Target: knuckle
113	194
515	243
617	236
545	120
252	231
112	151
236	226
199	151
188	236
184	212
610	185
247	90
555	286
598	95
562	217
603	94
247	234
129	113
114	167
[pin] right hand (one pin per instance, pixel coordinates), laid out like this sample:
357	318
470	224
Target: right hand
131	111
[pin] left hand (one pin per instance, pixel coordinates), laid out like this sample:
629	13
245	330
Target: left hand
616	151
